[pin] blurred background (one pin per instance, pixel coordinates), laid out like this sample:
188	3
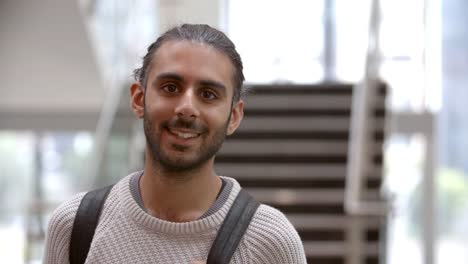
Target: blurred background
355	129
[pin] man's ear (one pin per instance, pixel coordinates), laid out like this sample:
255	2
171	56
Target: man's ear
137	101
237	114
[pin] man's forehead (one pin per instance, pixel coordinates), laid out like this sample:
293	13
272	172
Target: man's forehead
175	50
183	45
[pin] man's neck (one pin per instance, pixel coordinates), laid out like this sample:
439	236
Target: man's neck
179	196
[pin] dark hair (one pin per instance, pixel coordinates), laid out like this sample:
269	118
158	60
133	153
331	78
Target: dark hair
202	34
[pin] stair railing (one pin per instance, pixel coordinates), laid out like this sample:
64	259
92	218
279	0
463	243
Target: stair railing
360	151
361	126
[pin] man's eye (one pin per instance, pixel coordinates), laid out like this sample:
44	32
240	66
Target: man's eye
208	95
170	88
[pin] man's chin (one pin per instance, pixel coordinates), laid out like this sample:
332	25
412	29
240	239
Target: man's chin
181	164
180	148
180	167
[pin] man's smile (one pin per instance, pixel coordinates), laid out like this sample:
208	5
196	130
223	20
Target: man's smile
184	134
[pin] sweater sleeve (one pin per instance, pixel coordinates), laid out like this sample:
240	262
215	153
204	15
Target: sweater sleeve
271	238
59	231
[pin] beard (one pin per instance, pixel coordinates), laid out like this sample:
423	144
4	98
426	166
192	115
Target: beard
181	162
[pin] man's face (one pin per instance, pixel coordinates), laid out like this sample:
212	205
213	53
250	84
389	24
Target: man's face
188	107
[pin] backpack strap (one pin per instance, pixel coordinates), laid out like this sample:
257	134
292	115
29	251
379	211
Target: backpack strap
85	223
233	228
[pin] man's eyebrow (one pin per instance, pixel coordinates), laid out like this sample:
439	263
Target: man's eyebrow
169	75
213	84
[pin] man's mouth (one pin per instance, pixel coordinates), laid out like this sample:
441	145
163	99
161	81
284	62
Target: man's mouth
183	134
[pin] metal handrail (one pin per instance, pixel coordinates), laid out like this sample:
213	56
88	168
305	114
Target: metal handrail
114	85
103	130
362	103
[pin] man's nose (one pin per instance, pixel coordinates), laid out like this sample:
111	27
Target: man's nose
187	105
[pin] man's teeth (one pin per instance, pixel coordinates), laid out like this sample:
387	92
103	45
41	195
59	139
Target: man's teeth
185	135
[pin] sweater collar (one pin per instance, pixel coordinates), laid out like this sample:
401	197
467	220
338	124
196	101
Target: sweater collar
134	212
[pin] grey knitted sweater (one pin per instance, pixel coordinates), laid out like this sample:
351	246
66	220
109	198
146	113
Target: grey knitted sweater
127	234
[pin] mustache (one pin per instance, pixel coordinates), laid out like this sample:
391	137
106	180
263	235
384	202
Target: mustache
178	122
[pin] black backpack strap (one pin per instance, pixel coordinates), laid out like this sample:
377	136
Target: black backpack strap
233	228
85	223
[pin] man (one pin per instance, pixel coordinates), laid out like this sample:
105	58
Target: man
188	95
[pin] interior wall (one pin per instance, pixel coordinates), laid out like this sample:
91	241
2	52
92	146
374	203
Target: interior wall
172	12
47	63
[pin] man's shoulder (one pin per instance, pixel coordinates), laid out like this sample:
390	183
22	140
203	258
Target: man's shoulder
64	215
271	220
59	230
274	237
61	224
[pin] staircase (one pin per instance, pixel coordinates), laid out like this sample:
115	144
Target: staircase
291	152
